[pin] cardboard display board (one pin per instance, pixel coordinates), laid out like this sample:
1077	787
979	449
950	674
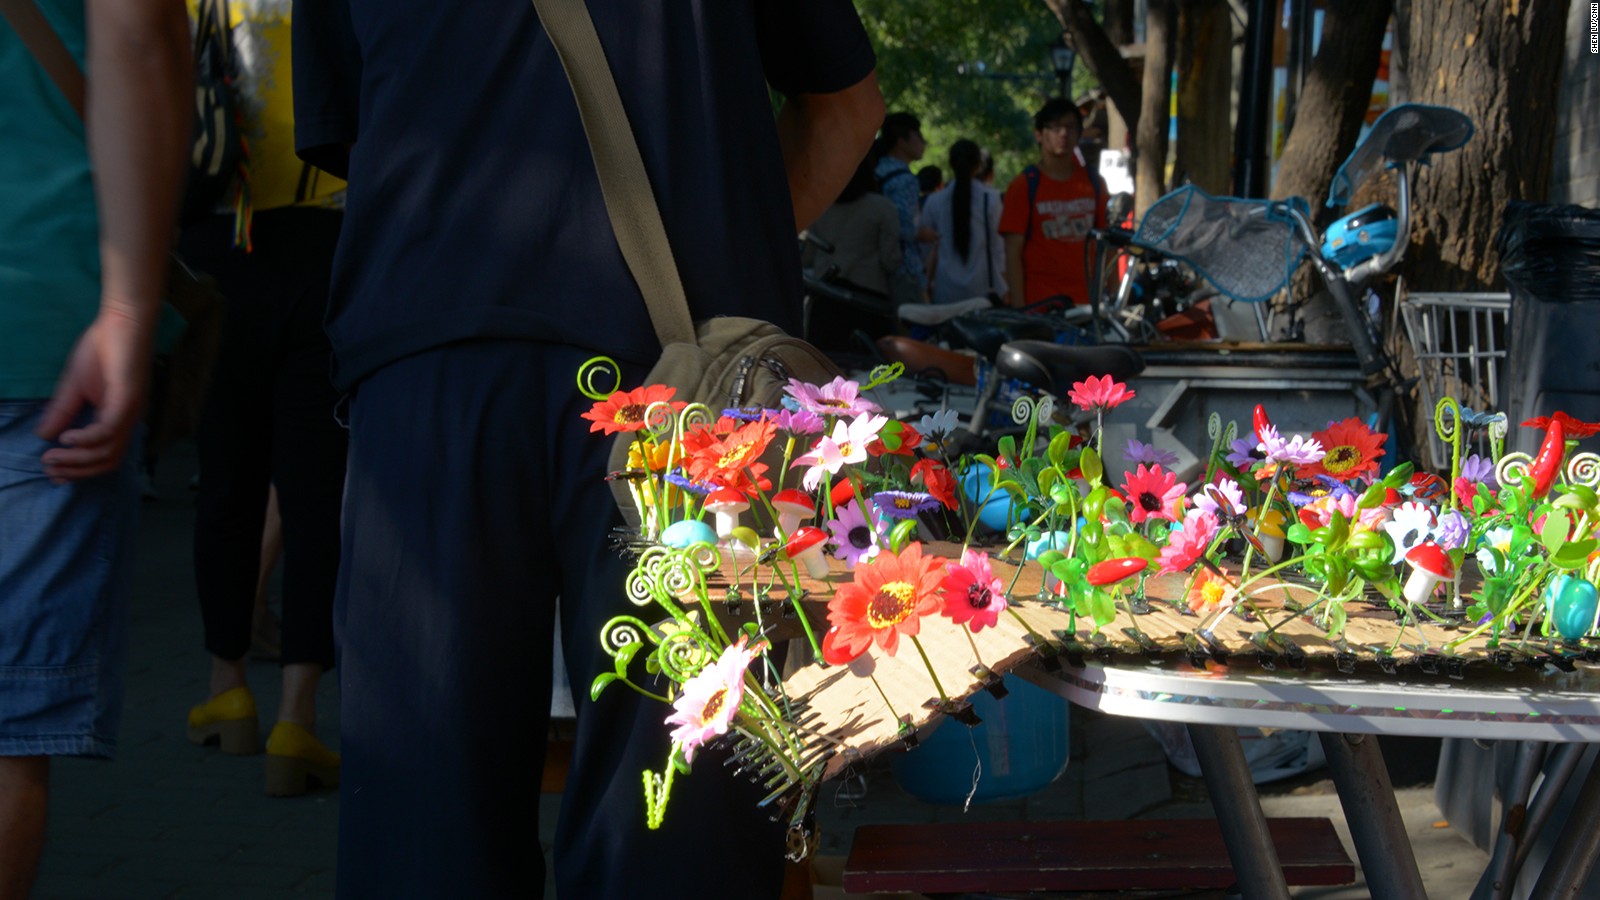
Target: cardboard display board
855	708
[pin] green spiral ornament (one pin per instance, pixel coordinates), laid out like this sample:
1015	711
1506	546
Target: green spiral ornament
593	372
683	653
1584	469
1511	469
1220	434
1447	424
1499	425
687	418
623	631
882	375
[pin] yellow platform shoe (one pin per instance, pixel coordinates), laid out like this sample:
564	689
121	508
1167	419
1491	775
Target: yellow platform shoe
297	761
229	720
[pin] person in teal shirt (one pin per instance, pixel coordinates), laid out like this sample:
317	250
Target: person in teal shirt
88	197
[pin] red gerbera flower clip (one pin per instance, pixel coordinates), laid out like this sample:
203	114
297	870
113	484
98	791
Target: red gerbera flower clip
1572	428
937	479
1352	450
888	598
973	596
624	410
734	460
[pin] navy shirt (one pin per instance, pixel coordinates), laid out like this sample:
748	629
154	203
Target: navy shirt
474	210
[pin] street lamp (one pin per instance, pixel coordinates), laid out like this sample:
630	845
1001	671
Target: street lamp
1063	57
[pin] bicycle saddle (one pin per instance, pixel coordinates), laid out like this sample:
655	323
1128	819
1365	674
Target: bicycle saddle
940	313
1406	133
921	358
987	331
1054	367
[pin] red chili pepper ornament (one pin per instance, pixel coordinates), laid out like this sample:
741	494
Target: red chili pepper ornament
1547	464
1261	422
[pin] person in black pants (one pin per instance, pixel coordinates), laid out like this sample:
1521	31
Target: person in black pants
476	272
269	419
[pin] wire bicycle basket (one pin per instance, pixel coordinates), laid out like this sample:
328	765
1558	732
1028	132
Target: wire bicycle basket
1460	345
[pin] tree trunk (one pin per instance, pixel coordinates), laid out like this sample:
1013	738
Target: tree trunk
1150	140
1333	104
1117	18
1205	88
1100	55
1338	89
1498	63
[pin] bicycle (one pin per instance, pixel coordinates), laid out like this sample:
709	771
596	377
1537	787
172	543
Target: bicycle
1248	249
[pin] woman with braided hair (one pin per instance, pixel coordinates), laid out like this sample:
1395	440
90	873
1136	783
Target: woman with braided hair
966	215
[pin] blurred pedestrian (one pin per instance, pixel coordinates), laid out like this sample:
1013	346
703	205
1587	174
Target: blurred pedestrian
269	419
90	171
900	144
929	180
1049	210
863	228
966	218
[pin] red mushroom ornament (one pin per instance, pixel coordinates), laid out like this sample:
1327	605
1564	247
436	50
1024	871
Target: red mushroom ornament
1429	566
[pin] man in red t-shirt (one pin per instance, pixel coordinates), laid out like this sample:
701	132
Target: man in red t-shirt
1048	212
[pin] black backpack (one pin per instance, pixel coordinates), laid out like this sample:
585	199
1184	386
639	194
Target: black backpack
218	155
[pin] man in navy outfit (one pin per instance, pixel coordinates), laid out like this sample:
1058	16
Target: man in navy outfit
476	272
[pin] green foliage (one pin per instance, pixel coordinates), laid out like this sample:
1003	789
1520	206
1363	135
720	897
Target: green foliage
975	69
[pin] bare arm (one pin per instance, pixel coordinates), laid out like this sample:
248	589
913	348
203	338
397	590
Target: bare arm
1015	292
137	121
824	137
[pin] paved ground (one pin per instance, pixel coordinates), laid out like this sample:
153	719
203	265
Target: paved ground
169	820
1118	771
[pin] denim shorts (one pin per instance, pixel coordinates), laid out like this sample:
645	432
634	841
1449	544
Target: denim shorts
65	555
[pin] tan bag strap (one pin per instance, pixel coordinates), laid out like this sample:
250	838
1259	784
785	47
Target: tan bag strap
47	48
630	203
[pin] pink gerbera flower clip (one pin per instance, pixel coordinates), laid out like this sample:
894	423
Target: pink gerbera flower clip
839	397
1186	546
973	596
1099	393
1153	493
711	698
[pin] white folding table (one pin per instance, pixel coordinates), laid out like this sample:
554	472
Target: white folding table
1550	709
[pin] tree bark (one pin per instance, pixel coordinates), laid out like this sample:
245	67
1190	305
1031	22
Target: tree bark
1205	88
1117	20
1498	63
1150	141
1101	56
1333	104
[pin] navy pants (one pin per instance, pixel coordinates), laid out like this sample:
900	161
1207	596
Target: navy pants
476	498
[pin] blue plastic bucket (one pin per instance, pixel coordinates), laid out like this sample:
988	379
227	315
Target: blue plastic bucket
1023	744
